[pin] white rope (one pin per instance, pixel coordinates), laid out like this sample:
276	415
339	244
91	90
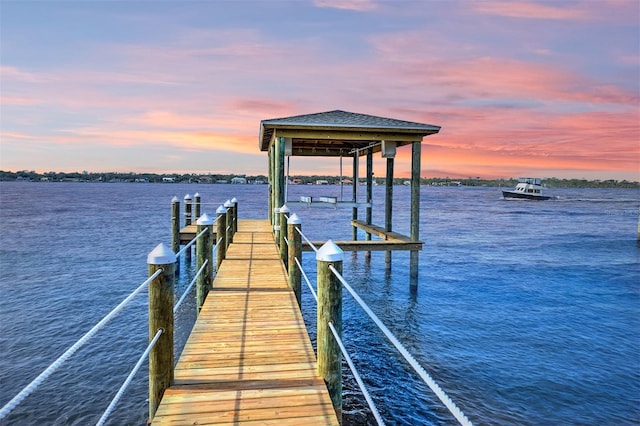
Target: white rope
193	281
453	408
9	406
363	388
306	239
306	279
192	242
128	380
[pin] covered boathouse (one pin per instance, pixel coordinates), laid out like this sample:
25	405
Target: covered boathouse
347	134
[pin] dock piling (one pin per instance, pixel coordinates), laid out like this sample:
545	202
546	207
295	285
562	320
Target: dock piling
204	253
221	247
294	225
234	200
187	221
175	228
284	212
330	310
160	317
196	206
229	225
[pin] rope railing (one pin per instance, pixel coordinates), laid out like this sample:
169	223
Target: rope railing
128	380
304	237
190	286
27	390
304	275
356	375
446	400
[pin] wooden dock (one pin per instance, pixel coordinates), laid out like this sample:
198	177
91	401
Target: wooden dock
249	359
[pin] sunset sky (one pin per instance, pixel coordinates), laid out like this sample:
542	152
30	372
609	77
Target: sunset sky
520	88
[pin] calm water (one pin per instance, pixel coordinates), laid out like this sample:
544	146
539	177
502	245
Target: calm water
526	312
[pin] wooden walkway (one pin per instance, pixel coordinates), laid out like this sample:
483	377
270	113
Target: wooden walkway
249	359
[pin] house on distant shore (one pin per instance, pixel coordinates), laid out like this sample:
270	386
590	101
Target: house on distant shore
239	180
168	180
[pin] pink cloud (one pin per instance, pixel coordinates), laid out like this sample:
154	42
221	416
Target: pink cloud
358	5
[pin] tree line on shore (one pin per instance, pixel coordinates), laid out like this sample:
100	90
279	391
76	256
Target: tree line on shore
33	176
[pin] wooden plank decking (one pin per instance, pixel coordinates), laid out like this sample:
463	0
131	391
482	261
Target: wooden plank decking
249	359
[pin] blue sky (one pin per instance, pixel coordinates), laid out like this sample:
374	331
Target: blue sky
544	88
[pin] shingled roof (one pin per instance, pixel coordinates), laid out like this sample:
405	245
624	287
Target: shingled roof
338	132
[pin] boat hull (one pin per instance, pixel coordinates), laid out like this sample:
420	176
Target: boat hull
524	196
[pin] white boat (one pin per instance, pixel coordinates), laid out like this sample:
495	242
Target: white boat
528	189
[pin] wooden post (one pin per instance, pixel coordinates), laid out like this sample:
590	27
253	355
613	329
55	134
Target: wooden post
204	252
284	212
388	206
354	210
229	220
369	196
234	200
414	255
221	248
280	175
187	222
330	310
160	317
196	206
295	252
270	184
175	228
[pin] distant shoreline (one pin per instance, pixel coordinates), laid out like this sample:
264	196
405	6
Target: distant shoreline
168	178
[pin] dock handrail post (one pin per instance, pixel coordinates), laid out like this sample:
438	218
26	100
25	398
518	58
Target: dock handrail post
221	249
196	206
175	228
187	221
160	317
229	219
204	252
330	310
234	200
294	226
284	212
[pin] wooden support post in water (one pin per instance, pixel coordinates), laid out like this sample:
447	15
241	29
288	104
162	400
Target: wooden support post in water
414	255
234	200
354	210
369	196
196	206
229	219
284	212
175	228
294	226
388	207
330	310
204	253
187	222
160	317
221	248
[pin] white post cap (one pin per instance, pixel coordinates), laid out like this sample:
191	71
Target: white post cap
228	203
205	219
196	195
174	199
234	200
284	209
221	210
187	197
330	252
294	220
161	255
